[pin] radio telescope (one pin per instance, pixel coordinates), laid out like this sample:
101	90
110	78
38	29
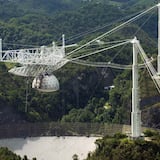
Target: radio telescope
40	63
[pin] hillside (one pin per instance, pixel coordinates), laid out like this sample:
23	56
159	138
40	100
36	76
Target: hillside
6	154
119	147
79	98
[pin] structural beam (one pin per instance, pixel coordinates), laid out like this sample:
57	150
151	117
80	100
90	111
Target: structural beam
136	113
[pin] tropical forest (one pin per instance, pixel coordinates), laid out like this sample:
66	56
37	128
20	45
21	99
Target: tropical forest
86	94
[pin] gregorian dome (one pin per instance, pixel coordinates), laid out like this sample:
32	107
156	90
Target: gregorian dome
46	83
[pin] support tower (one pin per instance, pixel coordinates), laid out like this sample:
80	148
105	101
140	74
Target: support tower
136	113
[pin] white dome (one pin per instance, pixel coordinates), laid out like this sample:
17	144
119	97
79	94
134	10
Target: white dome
46	83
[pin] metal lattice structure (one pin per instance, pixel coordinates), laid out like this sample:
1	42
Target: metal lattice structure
36	60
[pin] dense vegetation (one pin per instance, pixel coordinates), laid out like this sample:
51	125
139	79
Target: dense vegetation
79	98
119	147
6	154
82	96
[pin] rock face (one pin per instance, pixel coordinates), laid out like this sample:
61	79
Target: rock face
150	108
150	116
150	101
90	83
8	115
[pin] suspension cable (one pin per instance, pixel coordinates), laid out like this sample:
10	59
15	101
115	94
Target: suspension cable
149	66
104	49
114	29
101	27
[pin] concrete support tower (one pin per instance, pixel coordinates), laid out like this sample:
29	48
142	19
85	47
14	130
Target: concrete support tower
136	113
